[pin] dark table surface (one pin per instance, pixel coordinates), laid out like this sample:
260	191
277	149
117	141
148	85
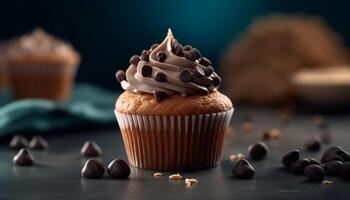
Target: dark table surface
56	174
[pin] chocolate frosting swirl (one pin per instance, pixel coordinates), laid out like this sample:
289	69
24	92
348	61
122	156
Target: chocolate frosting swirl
163	72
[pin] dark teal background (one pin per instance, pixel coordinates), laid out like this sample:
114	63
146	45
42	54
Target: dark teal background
108	32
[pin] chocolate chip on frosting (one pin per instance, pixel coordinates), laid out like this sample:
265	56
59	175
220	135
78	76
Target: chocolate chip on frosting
208	70
146	71
161	56
204	61
203	81
187	47
185	75
159	76
134	60
145	55
192	54
199	71
159	95
177	48
120	76
216	81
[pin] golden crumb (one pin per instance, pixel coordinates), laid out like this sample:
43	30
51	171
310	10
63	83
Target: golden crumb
327	182
156	174
190	181
247	126
275	134
175	177
235	157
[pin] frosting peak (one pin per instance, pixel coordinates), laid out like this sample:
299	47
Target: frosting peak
167	69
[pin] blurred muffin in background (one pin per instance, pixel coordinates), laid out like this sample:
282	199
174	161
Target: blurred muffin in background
2	64
41	66
259	64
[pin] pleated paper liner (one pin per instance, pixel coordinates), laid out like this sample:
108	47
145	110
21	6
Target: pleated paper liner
41	81
171	143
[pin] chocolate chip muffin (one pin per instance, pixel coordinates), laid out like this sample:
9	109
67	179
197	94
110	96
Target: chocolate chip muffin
39	65
172	116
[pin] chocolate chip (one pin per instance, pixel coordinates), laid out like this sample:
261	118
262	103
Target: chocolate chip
145	55
155	45
333	168
192	54
243	170
298	166
146	71
177	48
18	142
345	174
290	157
23	158
314	162
90	149
333	152
204	61
313	144
161	56
38	143
120	76
92	169
203	81
199	71
159	76
208	70
187	48
314	173
257	151
159	95
118	168
336	158
134	60
185	75
216	81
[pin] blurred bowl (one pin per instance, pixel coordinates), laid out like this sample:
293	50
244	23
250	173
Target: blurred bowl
323	87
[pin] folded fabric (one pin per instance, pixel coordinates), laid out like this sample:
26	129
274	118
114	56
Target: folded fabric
88	105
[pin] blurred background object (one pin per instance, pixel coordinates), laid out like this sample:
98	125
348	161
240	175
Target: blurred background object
258	66
2	64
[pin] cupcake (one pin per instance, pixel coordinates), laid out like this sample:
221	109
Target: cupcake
171	115
41	66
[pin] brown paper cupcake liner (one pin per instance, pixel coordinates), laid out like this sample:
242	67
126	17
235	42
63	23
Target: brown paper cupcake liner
41	81
171	143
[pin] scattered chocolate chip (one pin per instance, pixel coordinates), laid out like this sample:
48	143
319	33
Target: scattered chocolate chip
345	174
177	48
161	56
90	149
333	168
336	158
159	76
204	61
313	144
120	76
38	143
325	137
335	152
134	60
18	142
314	162
298	166
23	158
146	71
290	157
199	71
159	95
314	173
216	81
243	170
187	47
145	55
118	168
257	151
192	54
92	169
155	45
208	70
185	75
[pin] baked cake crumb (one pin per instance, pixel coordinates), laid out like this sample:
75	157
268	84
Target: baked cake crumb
190	181
175	177
156	174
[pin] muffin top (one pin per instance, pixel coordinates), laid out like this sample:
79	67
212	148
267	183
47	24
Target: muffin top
41	47
169	69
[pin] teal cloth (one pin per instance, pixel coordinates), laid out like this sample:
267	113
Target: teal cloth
89	105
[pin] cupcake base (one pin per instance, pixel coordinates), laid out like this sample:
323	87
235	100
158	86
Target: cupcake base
41	81
174	143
